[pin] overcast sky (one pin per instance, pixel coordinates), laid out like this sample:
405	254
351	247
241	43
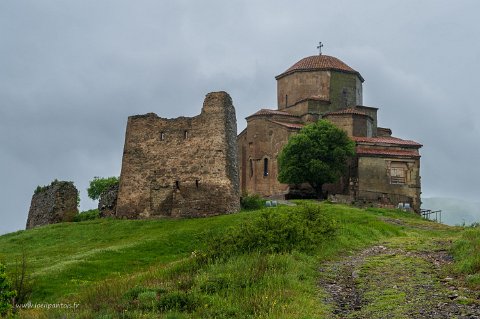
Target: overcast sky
71	72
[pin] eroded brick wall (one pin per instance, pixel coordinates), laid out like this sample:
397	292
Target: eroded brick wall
183	167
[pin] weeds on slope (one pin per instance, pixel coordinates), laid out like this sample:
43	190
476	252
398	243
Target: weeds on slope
265	267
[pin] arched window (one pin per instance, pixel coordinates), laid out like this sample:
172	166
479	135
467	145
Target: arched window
185	134
162	136
265	167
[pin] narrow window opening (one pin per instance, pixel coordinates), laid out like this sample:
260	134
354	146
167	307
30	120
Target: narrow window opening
185	134
162	136
286	100
345	97
265	167
251	167
177	184
196	183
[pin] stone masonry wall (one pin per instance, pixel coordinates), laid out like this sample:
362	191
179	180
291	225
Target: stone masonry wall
183	167
262	141
374	181
345	90
52	204
301	85
107	203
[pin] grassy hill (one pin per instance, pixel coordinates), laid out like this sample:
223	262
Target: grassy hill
254	264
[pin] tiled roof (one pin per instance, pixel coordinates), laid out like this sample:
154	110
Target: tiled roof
296	126
319	62
387	152
349	110
386	140
271	112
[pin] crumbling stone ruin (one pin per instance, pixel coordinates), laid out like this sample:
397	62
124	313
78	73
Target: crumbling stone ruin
55	203
183	167
107	203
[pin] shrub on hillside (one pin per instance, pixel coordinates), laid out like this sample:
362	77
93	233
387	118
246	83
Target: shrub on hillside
6	292
147	300
301	229
250	202
22	281
87	215
180	301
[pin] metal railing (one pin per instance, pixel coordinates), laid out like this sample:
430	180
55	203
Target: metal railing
429	214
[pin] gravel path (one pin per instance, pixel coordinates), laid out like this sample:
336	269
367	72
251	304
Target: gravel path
381	282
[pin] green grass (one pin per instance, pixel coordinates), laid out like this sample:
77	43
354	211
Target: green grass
466	252
66	257
145	268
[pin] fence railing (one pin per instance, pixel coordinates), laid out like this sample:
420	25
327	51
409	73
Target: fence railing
429	214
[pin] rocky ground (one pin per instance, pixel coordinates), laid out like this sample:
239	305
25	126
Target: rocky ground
397	280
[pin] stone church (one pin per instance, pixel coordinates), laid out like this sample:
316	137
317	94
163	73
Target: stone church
386	169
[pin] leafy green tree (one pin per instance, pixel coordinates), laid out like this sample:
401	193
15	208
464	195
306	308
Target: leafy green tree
99	185
6	292
318	154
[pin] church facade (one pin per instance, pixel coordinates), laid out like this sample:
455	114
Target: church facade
386	169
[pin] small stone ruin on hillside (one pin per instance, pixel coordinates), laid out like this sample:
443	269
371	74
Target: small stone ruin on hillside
55	203
107	203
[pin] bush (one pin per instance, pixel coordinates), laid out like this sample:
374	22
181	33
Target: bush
87	215
277	231
22	281
6	292
147	300
133	293
250	202
180	301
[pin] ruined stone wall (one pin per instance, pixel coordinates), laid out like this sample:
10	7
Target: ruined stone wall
53	204
183	167
107	203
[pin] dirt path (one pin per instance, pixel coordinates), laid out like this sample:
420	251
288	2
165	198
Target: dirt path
383	282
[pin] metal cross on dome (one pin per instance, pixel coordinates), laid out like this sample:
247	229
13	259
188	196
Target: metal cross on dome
319	47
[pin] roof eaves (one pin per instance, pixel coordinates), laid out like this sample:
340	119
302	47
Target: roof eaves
278	77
